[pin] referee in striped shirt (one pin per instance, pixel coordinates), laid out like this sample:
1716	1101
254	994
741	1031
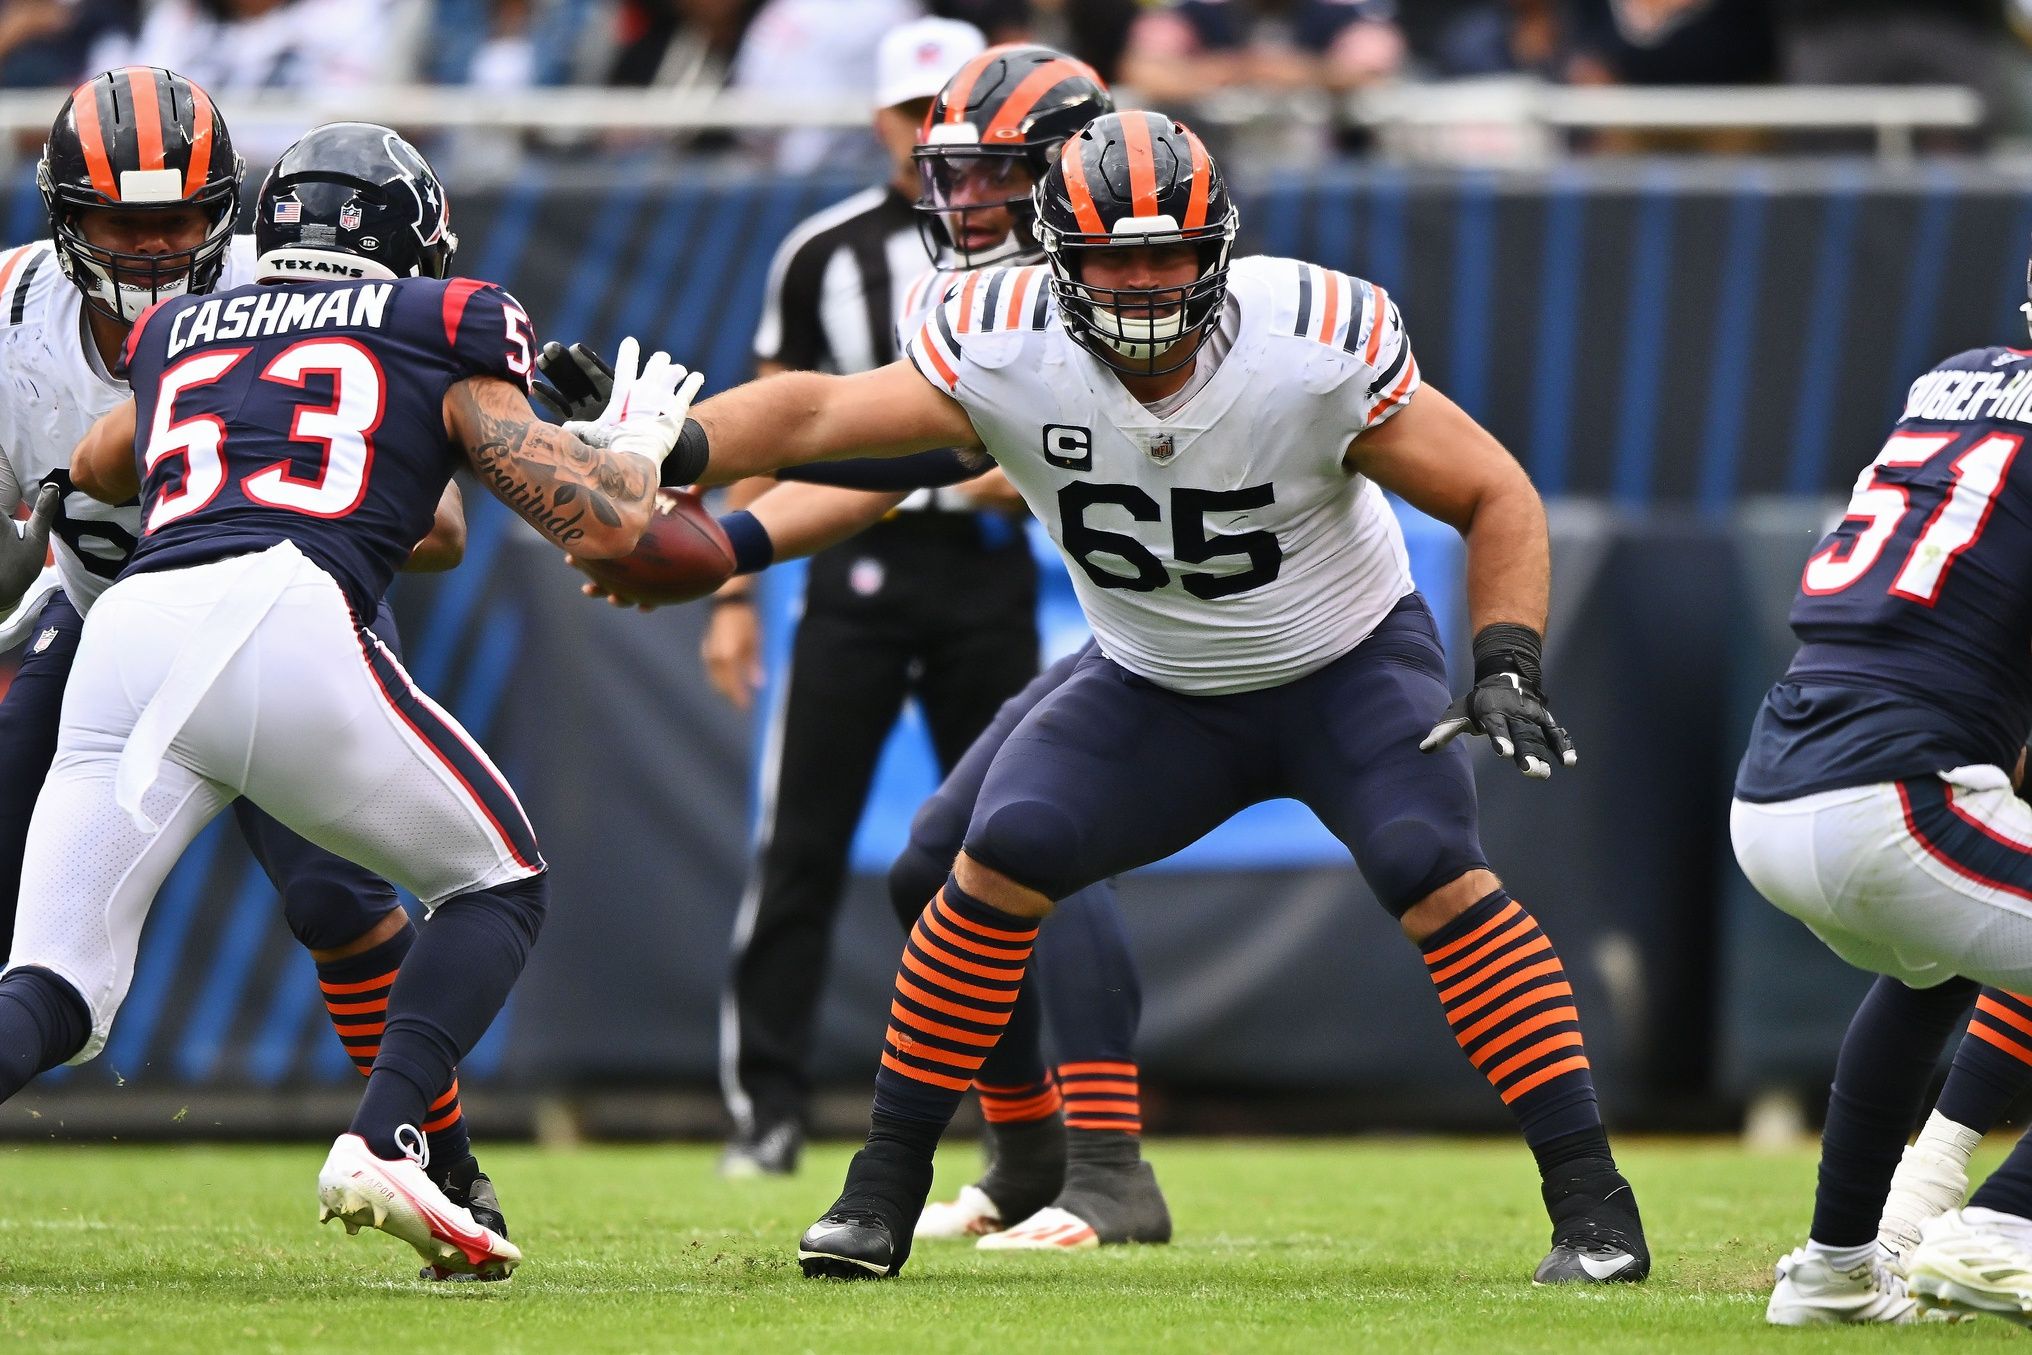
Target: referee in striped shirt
937	603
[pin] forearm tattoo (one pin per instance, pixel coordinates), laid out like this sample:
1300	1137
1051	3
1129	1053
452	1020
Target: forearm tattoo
544	473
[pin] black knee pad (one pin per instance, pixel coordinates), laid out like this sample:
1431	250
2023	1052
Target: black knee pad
914	877
1033	842
1407	858
522	902
935	836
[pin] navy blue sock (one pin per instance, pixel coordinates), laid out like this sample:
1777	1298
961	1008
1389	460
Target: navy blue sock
1094	999
1014	1084
451	986
2009	1188
1993	1065
956	987
43	1022
1880	1084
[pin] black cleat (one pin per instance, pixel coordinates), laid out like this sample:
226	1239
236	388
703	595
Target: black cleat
467	1185
847	1244
866	1234
1597	1236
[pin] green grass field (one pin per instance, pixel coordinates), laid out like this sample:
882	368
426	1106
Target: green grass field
1372	1245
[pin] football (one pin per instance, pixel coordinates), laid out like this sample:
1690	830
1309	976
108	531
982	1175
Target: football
683	556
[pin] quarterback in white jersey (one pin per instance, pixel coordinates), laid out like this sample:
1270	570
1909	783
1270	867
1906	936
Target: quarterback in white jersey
1206	440
141	183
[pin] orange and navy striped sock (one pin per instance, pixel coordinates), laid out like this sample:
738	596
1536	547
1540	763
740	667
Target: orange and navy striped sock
1511	1008
355	991
1039	1100
962	968
1993	1065
1102	1095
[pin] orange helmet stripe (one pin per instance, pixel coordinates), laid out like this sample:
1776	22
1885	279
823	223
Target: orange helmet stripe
1082	196
961	87
200	166
1202	182
1034	87
85	113
1142	164
147	114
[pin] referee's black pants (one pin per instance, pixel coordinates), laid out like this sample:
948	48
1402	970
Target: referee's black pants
940	606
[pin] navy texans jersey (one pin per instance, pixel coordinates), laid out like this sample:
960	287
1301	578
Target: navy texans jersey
1915	613
309	412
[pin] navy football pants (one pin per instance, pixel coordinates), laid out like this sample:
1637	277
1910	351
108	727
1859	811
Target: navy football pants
1090	989
1111	771
327	900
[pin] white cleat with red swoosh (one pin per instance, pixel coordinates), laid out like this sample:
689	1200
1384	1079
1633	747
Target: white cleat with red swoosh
364	1191
1049	1229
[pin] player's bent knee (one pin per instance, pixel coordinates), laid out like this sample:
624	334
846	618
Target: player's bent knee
1413	862
1032	843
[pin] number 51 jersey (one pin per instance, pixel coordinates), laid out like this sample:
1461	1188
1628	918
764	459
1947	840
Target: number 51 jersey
1915	613
310	412
1221	547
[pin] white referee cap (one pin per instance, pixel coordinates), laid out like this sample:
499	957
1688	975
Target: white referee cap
916	59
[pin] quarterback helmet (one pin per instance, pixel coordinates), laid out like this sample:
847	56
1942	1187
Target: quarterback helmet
1136	179
138	139
988	139
352	200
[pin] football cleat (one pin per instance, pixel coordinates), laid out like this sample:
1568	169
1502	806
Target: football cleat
771	1152
364	1191
866	1235
973	1214
1810	1292
1049	1229
1597	1236
1974	1261
1104	1204
468	1186
846	1244
1925	1186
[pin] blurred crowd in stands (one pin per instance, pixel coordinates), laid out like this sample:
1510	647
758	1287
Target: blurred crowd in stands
1167	53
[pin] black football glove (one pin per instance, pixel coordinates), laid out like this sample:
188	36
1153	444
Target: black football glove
22	553
1507	704
580	382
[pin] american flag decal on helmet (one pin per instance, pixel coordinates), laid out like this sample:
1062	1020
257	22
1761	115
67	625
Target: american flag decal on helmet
288	213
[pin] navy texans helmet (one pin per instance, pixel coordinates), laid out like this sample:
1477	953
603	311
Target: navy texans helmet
352	200
138	140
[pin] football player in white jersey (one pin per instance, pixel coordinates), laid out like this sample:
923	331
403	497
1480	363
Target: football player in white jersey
142	186
1208	441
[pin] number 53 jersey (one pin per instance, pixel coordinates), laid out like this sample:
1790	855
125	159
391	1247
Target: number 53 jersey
1220	546
1915	613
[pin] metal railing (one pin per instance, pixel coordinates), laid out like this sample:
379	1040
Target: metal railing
1494	118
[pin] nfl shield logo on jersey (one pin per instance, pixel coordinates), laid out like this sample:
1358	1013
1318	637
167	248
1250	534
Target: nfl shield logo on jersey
42	641
1160	446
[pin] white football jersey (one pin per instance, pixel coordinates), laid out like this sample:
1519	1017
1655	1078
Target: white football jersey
1223	548
52	389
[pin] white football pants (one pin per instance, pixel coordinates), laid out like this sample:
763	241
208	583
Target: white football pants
1922	880
245	676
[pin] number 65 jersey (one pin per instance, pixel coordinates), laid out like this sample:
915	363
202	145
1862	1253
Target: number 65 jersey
1220	546
1915	613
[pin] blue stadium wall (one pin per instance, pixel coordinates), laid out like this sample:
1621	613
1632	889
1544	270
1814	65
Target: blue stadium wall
1693	360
